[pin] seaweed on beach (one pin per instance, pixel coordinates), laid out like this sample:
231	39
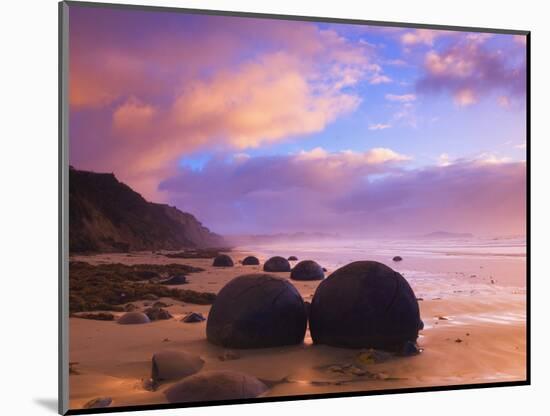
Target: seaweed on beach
107	287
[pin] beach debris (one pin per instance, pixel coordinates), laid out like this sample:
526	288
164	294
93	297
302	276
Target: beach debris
257	311
467	334
133	318
277	264
215	385
442	318
98	403
160	304
157	314
178	279
397	258
173	365
420	299
458	340
473	275
292	258
130	307
223	260
372	356
409	348
166	340
250	261
229	356
307	270
72	370
193	317
99	316
149	384
343	314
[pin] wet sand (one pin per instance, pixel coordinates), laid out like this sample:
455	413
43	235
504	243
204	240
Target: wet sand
473	309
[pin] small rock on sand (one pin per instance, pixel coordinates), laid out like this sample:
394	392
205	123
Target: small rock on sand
157	314
178	279
193	317
292	258
223	260
133	318
173	365
307	270
277	264
215	385
98	403
229	356
250	261
397	258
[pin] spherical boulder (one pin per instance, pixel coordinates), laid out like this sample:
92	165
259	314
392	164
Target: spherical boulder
251	261
173	365
277	264
133	318
257	311
215	385
364	304
307	270
223	260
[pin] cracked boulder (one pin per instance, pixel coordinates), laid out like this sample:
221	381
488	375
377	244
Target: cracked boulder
364	304
257	311
215	385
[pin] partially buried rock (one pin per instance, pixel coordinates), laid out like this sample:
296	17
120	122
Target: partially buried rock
223	260
277	264
293	258
179	279
98	403
257	311
133	318
193	317
397	258
173	365
365	304
157	314
251	261
307	270
130	307
215	385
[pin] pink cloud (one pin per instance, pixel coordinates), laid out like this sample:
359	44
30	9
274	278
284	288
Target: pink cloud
467	69
353	194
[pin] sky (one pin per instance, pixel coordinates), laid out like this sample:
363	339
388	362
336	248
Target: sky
260	126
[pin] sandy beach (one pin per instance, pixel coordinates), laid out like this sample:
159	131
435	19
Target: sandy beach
472	303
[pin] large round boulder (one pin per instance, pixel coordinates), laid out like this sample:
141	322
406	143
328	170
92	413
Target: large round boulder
173	365
257	311
223	260
251	261
307	270
277	264
215	385
364	304
133	318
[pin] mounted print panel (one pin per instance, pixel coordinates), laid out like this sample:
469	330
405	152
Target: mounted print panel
263	208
